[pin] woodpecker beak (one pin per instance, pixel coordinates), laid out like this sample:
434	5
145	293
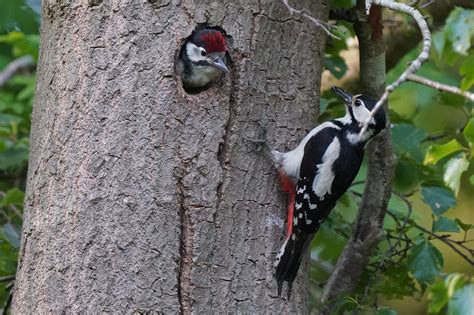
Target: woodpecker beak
345	96
219	64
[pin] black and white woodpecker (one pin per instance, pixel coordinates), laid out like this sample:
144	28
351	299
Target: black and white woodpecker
318	172
202	59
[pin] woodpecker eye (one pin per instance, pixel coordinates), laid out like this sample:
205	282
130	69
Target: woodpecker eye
358	103
203	52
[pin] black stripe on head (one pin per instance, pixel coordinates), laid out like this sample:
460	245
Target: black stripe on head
349	108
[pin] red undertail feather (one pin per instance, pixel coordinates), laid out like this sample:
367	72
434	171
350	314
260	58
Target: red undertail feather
289	187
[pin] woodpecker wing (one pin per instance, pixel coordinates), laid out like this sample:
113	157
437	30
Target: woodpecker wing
317	173
318	152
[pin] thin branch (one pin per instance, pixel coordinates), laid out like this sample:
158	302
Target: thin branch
323	25
440	86
8	301
7	278
445	241
441	238
415	64
392	249
13	67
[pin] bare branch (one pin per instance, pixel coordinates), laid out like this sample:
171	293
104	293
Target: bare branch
324	25
7	278
391	251
440	86
442	238
415	64
13	67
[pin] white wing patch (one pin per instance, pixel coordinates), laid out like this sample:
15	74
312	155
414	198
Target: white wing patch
291	161
323	180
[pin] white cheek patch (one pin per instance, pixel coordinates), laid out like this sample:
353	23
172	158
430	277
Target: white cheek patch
361	114
323	180
193	52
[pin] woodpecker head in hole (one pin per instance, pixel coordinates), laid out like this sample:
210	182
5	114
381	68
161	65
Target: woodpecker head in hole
202	59
358	108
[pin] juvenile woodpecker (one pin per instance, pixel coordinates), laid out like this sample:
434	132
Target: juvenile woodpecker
202	59
318	172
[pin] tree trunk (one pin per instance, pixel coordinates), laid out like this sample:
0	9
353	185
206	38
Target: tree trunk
143	198
368	228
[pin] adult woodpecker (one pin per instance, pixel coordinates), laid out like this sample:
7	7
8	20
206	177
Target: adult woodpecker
202	59
318	172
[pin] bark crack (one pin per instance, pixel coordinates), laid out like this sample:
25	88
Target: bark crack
223	151
185	254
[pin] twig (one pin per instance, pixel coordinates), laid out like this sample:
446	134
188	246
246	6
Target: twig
392	249
323	25
440	86
415	64
13	67
441	238
427	3
8	301
7	278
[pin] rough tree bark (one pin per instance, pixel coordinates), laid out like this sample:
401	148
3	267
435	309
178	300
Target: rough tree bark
368	226
143	198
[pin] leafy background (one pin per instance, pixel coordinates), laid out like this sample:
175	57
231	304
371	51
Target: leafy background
415	269
19	24
425	263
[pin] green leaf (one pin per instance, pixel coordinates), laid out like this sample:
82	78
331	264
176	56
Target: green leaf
468	73
396	282
14	158
439	42
324	103
468	131
454	170
462	302
336	65
438	198
440	293
342	3
386	311
407	139
460	29
438	152
444	224
425	262
438	297
406	177
17	14
11	235
13	196
471	179
467	82
464	226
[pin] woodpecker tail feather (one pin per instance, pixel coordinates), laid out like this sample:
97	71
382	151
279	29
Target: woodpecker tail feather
289	258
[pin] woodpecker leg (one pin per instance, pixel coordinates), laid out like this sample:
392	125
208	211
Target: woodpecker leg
288	186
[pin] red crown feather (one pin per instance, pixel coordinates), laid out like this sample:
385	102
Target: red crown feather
214	42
